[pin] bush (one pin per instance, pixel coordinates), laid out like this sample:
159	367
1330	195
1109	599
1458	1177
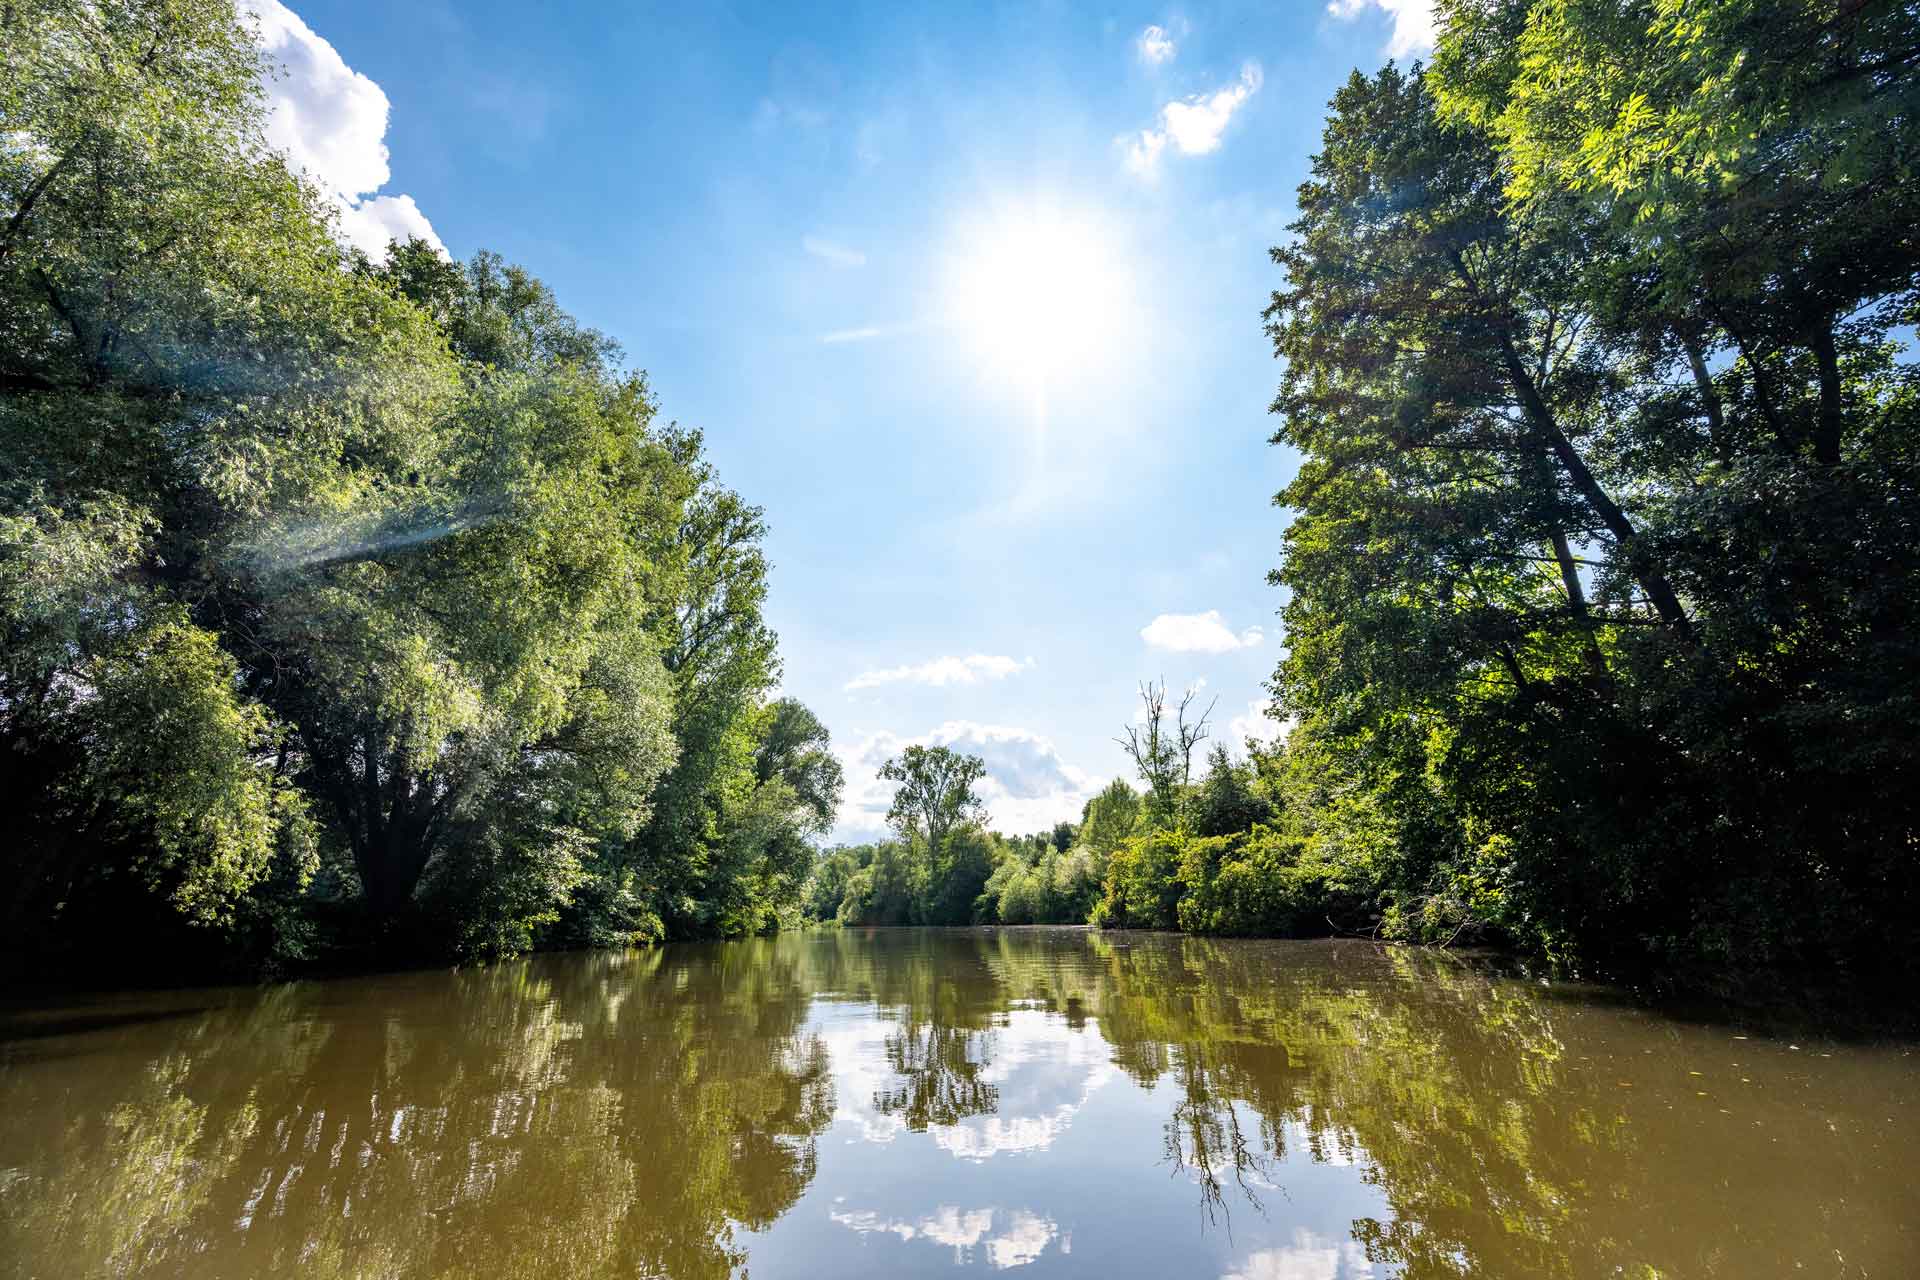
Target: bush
1266	883
1143	884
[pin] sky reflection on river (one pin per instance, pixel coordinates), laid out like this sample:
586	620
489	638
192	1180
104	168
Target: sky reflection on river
903	1102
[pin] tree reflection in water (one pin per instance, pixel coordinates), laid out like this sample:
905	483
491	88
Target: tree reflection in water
940	1080
651	1114
579	1115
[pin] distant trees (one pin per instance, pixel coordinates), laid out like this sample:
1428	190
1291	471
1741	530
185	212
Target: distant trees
1130	861
945	868
935	870
935	792
344	602
1162	753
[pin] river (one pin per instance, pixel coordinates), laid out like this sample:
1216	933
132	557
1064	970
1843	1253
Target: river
906	1102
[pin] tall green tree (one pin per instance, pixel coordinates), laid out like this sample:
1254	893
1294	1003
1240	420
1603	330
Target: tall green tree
1601	509
936	792
180	353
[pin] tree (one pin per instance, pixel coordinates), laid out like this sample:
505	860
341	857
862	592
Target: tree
794	751
1163	753
180	353
936	792
1225	801
706	587
1109	818
1757	152
1603	480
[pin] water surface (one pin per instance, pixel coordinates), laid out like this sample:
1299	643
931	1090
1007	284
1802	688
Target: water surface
899	1102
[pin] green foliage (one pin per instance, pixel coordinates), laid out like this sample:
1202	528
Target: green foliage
958	876
180	768
979	877
1602	547
1226	799
337	589
935	792
889	886
1143	884
1266	884
1110	818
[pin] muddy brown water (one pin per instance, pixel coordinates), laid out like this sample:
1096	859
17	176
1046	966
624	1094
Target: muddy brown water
903	1102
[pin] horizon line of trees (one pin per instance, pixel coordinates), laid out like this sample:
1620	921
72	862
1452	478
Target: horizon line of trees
1216	845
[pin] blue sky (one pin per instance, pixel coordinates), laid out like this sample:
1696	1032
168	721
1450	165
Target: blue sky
967	297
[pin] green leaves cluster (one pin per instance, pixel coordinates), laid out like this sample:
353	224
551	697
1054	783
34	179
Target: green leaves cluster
1602	568
365	594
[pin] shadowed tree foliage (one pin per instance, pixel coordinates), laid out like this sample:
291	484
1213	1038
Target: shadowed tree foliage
1602	548
371	590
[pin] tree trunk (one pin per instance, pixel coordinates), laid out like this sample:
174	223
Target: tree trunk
1577	603
1709	396
1826	436
1658	589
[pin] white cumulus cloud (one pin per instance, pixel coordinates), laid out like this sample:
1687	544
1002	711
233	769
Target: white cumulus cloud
1028	786
331	123
1024	1240
1413	22
971	669
1193	126
1156	45
1257	725
834	255
1198	633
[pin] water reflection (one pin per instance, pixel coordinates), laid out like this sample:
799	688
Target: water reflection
1023	1237
593	1116
904	1102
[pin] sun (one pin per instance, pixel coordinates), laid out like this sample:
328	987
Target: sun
1038	292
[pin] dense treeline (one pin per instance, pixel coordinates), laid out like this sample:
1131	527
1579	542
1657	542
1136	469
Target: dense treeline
370	606
1253	845
346	604
1604	575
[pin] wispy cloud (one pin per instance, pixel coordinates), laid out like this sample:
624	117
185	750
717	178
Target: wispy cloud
971	669
1193	126
1198	633
1156	45
330	122
834	255
1413	22
1025	1238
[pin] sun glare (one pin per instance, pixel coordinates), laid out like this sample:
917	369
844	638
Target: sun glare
1038	292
